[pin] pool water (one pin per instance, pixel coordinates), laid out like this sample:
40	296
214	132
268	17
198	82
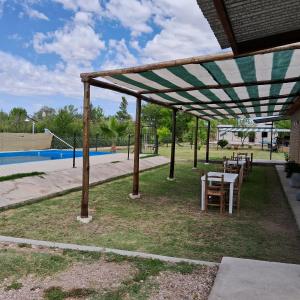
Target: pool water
29	156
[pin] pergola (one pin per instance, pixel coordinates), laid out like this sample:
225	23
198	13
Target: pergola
261	84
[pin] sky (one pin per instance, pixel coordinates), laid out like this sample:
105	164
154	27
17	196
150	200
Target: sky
46	44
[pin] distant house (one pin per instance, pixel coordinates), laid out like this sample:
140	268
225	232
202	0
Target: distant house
257	135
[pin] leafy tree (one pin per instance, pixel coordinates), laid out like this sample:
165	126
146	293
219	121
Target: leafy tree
97	114
122	114
44	112
3	121
164	135
156	116
114	129
247	124
17	117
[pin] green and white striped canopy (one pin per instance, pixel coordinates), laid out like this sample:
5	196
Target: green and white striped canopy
214	97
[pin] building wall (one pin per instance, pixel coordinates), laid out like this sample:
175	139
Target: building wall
24	141
295	137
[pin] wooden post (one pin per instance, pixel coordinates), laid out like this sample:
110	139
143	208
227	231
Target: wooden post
172	162
207	142
86	146
137	144
271	148
218	138
196	143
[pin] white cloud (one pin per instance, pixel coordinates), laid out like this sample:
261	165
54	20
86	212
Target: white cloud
2	3
76	43
19	77
184	32
84	5
132	14
118	56
35	14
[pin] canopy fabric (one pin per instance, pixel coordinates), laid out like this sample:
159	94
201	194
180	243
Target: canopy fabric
208	84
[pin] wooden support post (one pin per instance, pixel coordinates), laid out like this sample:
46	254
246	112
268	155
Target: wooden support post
86	160
271	148
218	138
137	144
207	142
172	162
196	143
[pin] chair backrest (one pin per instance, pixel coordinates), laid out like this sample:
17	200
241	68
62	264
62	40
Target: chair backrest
214	178
242	155
232	169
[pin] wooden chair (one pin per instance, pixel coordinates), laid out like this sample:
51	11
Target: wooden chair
213	192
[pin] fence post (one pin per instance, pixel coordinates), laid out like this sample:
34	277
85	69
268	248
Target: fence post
128	147
74	149
156	144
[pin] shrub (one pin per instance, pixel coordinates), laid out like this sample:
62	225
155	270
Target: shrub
222	143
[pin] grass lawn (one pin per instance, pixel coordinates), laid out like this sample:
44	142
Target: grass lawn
167	219
185	152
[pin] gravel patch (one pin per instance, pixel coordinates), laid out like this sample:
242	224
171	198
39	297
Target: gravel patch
193	286
99	276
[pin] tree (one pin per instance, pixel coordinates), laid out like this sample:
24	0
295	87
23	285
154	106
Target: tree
122	114
97	114
44	112
17	117
114	129
246	124
156	116
164	135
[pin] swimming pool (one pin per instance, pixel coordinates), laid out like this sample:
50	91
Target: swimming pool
39	155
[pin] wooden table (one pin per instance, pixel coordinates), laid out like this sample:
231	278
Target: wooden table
228	178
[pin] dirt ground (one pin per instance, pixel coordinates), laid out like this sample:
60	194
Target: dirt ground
84	280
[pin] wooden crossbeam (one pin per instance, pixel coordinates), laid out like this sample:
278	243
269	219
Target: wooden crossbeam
236	106
239	100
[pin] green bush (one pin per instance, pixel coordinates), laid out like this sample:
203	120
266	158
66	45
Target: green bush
222	143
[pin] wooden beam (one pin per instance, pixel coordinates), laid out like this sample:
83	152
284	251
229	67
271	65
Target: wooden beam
207	142
196	143
225	21
172	161
219	86
136	166
236	106
180	62
86	152
240	114
237	101
123	90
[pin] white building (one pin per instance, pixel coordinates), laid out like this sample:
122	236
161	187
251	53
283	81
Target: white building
256	135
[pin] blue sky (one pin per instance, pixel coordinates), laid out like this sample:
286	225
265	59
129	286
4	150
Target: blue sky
46	44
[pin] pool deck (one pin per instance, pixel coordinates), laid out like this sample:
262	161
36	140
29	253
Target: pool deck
61	178
58	165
